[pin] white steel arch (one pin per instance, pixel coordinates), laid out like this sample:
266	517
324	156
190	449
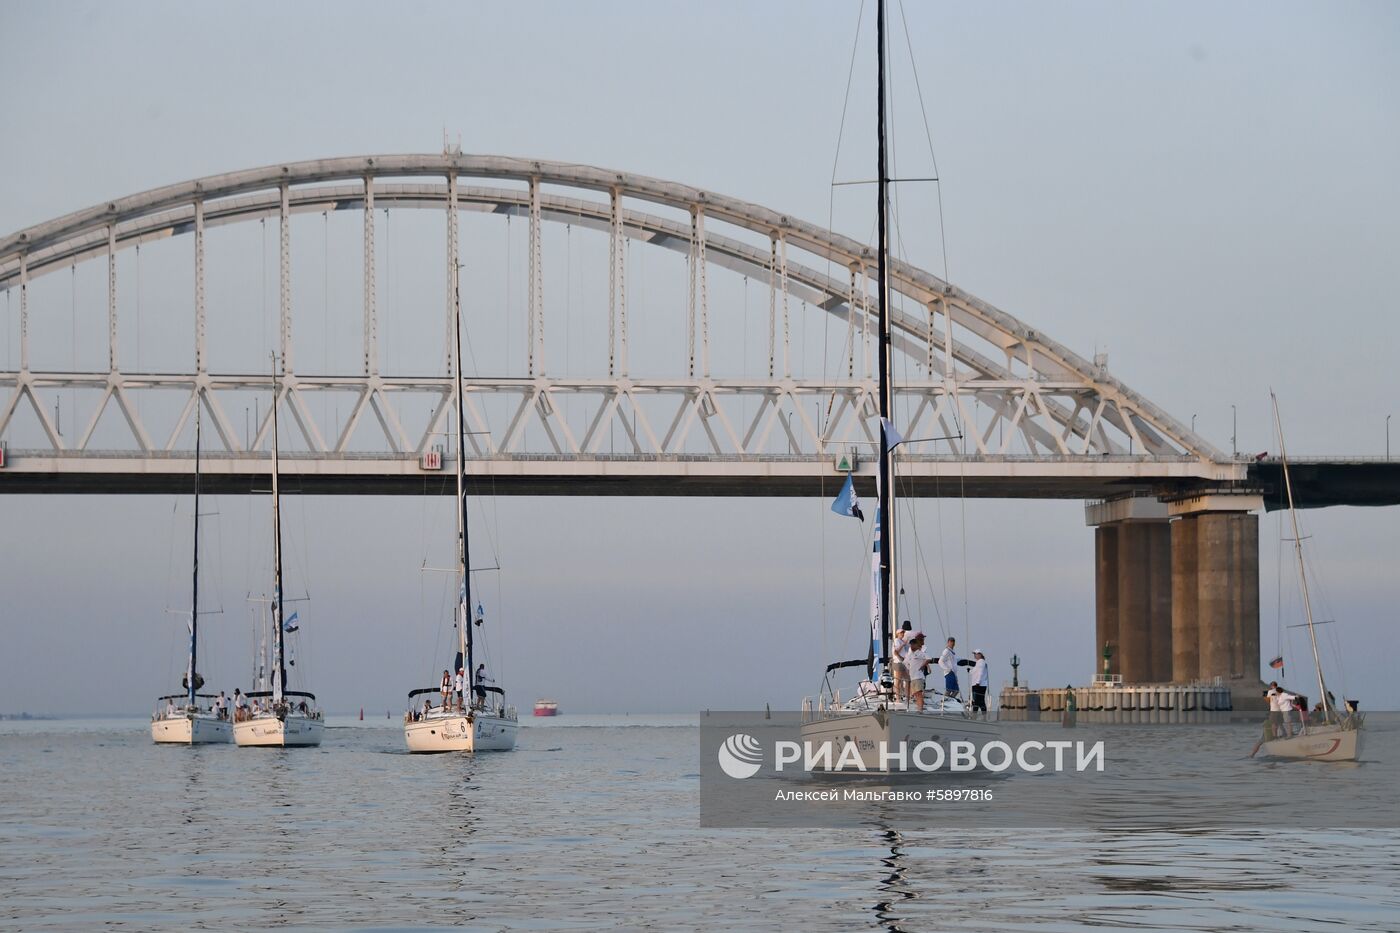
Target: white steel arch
1069	413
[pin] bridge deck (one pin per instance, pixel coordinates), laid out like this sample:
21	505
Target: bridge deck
1317	483
611	475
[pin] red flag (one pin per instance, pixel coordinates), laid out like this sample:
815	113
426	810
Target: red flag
1276	663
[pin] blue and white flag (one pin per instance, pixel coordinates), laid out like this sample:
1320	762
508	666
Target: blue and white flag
848	503
291	624
892	436
480	613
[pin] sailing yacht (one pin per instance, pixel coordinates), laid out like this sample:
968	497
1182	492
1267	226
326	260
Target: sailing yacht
1329	734
875	718
477	719
279	717
186	722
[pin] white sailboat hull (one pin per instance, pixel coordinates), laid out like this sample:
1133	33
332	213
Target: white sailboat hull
1320	743
476	732
191	730
271	732
870	730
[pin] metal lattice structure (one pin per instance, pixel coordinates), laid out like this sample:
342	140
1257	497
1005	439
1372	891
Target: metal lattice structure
1024	408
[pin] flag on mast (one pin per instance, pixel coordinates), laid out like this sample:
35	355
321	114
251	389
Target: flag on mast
847	502
892	436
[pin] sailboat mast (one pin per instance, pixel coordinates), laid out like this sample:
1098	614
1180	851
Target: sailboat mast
464	588
886	498
280	686
1298	550
194	598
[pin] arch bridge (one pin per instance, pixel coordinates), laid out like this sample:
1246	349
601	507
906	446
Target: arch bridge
660	407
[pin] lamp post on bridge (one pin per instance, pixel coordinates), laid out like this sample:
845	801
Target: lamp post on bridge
1387	437
1234	432
1193	423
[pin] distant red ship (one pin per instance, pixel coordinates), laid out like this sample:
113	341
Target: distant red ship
546	708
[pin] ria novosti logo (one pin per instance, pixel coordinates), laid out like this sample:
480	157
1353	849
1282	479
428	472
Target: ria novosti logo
740	756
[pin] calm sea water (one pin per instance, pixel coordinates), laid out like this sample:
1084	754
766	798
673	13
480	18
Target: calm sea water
591	824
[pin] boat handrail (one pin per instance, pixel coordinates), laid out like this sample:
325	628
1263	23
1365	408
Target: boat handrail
285	693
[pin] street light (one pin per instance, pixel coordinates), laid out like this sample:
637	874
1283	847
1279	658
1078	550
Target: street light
1193	424
1387	437
1234	425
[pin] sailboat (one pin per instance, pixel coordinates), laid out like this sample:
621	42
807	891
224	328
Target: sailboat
279	717
875	718
483	723
187	723
1329	734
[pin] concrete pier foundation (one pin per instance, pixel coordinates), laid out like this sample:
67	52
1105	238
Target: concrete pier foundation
1105	594
1133	590
1177	592
1186	630
1144	604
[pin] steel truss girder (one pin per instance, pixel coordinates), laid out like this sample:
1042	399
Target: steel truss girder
1043	416
696	417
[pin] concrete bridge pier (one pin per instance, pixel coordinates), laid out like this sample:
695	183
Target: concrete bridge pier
1132	545
1177	591
1215	557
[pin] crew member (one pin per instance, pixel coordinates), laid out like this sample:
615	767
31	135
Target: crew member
917	664
481	677
897	667
1280	705
948	664
977	677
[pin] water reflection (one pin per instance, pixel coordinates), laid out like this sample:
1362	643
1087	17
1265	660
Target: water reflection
894	882
461	823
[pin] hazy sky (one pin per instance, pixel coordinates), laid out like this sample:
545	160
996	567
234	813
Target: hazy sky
1207	191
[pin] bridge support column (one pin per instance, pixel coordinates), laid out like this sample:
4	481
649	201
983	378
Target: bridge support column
1215	549
1186	629
1105	597
1133	590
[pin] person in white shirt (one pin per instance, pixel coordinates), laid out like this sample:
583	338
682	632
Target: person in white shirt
481	677
948	664
977	677
240	705
899	646
917	664
1280	706
459	687
221	706
170	708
